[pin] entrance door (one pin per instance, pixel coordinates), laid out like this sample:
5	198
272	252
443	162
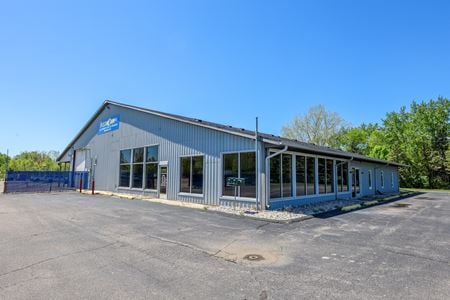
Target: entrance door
356	188
163	182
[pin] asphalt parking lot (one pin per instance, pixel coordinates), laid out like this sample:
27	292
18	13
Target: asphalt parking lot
73	246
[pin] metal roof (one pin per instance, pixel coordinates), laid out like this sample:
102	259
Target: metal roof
267	138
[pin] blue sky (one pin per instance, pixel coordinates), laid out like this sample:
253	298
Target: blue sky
223	61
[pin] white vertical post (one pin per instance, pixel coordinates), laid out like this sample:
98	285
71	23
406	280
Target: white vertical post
257	166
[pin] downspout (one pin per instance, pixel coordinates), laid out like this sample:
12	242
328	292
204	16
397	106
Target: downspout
341	163
268	173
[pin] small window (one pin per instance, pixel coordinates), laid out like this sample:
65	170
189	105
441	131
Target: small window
151	167
322	175
137	178
230	169
247	168
138	155
275	177
124	180
287	175
125	156
342	176
125	168
152	154
151	176
330	176
191	179
138	171
369	177
382	179
311	175
392	179
300	170
345	177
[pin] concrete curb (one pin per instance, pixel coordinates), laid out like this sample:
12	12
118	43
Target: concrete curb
293	220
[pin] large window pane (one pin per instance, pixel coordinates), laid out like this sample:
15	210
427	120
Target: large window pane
345	177
151	175
138	172
275	177
185	175
300	175
339	175
248	172
230	169
197	175
124	176
311	174
287	175
330	176
152	154
125	156
138	155
321	167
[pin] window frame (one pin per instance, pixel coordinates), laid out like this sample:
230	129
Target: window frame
130	164
144	165
133	164
190	193
392	179
316	177
382	178
221	177
369	178
145	168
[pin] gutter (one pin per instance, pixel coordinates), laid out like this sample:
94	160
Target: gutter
268	172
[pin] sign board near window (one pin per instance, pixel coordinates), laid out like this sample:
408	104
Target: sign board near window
109	125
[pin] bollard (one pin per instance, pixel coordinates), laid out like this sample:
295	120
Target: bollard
93	186
81	183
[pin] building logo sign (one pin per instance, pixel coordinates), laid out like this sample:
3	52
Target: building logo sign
109	125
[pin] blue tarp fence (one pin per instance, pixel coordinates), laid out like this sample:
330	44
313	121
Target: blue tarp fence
44	181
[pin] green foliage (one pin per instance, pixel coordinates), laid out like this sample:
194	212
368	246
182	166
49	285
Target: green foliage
33	161
4	159
418	138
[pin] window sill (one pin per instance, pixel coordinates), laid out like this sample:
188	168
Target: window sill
191	195
237	198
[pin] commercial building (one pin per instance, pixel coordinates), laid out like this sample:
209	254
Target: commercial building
134	150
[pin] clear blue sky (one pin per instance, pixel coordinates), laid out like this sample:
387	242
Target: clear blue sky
223	61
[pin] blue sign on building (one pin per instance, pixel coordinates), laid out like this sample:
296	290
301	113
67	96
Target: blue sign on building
109	125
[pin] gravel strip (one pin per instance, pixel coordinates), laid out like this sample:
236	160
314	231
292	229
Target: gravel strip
264	215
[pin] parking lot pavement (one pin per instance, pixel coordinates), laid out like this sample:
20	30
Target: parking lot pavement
69	245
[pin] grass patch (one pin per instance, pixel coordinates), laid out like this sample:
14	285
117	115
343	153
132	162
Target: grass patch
426	190
370	203
351	207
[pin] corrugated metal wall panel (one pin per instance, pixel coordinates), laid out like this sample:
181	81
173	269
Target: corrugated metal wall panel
175	139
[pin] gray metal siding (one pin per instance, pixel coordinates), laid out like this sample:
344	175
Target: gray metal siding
175	139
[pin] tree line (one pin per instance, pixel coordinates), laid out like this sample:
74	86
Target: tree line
29	161
417	136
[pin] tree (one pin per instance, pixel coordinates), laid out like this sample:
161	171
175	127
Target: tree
318	126
4	159
363	139
33	161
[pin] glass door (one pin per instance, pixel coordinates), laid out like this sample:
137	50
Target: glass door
163	182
